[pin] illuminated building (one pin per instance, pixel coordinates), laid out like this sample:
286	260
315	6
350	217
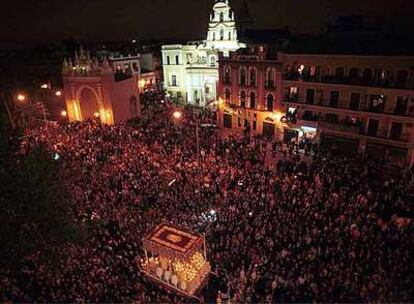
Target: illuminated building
106	88
352	103
191	70
249	86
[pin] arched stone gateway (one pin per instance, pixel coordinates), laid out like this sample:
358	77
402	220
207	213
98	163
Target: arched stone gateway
89	104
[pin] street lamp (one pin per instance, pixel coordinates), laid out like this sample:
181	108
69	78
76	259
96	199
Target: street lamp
58	93
177	115
21	97
64	113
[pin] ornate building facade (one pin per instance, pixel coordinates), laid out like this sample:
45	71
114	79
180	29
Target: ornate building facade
191	70
356	104
106	89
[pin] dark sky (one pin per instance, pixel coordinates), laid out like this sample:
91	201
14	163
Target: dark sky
30	21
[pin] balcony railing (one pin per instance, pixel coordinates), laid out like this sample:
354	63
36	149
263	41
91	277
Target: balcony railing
378	83
328	103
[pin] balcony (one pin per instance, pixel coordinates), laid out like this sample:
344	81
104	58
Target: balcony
332	104
332	79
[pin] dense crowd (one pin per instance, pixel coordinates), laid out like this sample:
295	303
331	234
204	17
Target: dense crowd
286	230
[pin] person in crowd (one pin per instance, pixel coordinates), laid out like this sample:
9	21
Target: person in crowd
320	231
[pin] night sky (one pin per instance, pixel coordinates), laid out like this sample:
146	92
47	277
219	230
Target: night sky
29	21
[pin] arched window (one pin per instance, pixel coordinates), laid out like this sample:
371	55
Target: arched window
221	34
367	75
227	75
353	73
243	99
133	106
229	36
270	82
252	77
252	100
227	95
221	17
269	75
339	73
243	76
269	103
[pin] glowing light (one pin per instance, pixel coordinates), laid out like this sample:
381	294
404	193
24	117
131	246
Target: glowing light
58	93
277	116
21	97
141	83
301	68
96	114
177	114
64	113
44	86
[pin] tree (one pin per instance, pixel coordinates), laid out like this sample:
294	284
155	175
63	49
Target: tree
35	212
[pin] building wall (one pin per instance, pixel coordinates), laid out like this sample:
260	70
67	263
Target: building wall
342	121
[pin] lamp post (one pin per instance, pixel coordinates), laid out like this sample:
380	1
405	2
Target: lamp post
178	115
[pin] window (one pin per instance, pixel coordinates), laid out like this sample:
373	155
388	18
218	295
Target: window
353	74
227	121
221	17
401	105
334	100
246	124
229	36
174	80
372	127
227	95
221	34
253	77
242	76
293	94
339	73
269	103
177	60
254	125
355	100
367	75
396	130
401	79
213	61
252	100
214	36
270	76
377	103
227	75
310	96
168	60
243	99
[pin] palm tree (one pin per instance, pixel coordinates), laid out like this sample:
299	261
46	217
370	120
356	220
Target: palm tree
29	114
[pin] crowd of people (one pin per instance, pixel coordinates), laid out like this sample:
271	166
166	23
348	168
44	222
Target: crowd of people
285	230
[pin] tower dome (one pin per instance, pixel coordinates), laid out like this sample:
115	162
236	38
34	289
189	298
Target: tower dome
222	31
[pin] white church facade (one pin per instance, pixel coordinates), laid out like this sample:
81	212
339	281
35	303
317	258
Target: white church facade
191	70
